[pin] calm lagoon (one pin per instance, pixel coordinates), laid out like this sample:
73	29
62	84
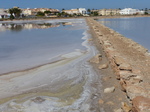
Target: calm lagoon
44	66
28	44
134	28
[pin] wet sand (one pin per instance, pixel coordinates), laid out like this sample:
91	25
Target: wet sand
69	84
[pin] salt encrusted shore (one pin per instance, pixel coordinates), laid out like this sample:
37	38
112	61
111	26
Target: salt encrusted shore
130	63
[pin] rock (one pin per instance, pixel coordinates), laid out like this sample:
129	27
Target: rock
107	44
123	85
135	90
136	80
96	59
90	39
118	110
110	103
100	101
119	60
136	71
141	104
110	52
109	90
103	66
126	107
120	99
38	100
126	75
106	78
125	66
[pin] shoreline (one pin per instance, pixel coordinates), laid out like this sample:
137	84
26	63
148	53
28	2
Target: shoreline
95	17
70	84
123	72
129	62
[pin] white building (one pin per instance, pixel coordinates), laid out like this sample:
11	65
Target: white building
130	11
72	11
3	13
82	11
76	11
27	11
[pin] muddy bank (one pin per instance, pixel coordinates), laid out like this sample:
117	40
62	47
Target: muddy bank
68	84
131	64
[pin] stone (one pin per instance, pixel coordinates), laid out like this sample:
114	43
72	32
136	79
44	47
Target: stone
123	85
141	104
90	39
109	90
106	78
100	101
110	103
126	107
135	90
136	71
120	99
38	100
136	80
126	75
119	60
96	59
107	44
125	66
103	66
118	110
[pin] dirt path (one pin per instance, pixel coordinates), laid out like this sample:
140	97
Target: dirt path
131	65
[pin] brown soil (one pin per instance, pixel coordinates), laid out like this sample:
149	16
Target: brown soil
109	101
134	55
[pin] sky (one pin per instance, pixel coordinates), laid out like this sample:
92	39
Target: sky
69	4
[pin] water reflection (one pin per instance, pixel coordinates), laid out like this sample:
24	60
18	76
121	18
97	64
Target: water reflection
124	23
134	28
19	27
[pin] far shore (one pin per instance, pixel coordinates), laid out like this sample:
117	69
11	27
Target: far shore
95	17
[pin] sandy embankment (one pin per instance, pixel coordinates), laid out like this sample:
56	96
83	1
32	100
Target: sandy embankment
130	63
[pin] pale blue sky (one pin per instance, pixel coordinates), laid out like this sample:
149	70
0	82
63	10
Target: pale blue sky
67	4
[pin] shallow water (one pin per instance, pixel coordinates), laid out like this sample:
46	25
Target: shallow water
134	28
47	70
25	45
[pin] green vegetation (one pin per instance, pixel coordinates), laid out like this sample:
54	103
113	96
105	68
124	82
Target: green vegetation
14	12
94	13
47	12
40	13
89	11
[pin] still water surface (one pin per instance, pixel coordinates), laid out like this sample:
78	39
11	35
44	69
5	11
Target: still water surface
44	67
134	28
25	45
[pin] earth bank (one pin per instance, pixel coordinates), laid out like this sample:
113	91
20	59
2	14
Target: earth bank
130	63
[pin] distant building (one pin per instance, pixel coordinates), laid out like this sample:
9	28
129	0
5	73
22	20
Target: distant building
27	11
130	11
34	11
106	12
72	11
82	11
76	11
3	13
148	12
